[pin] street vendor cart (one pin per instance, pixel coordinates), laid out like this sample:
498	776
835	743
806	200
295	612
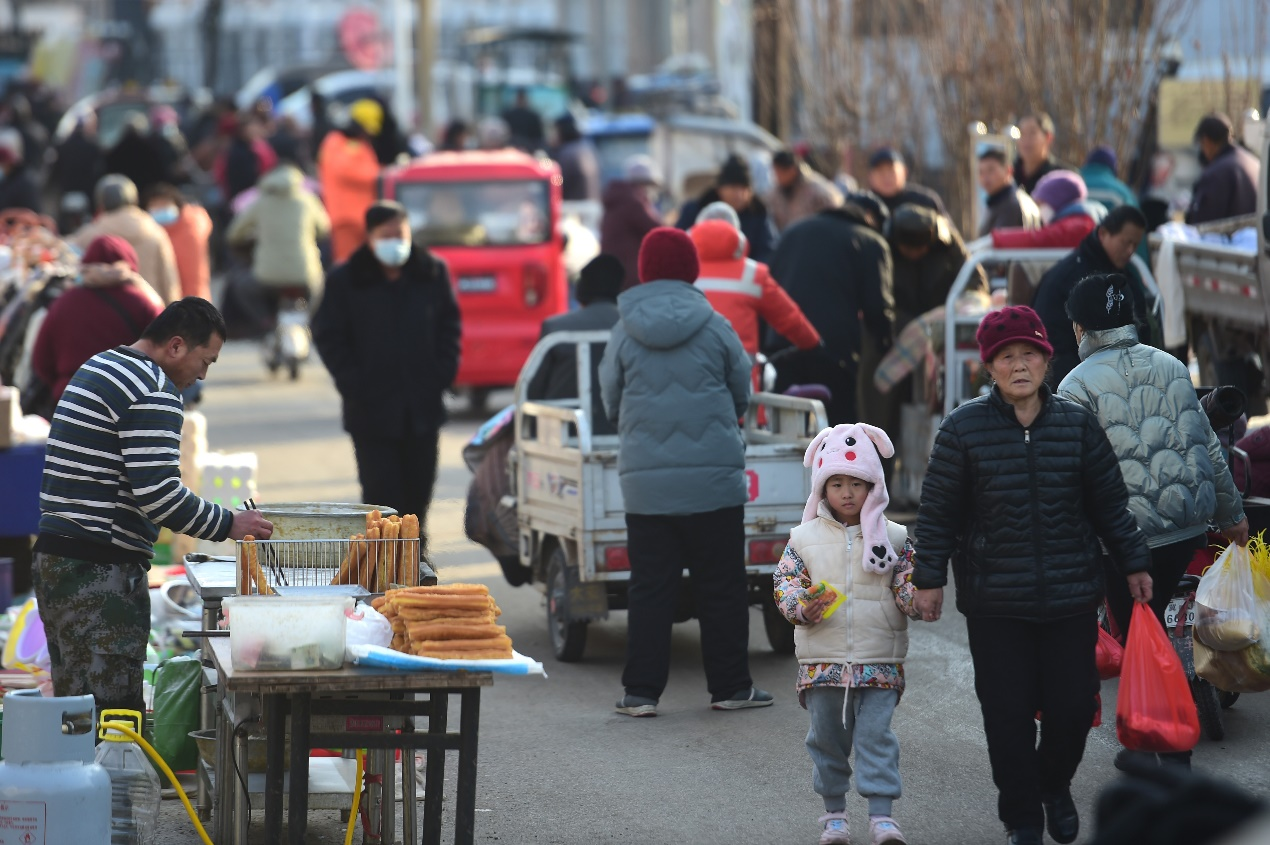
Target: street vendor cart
303	706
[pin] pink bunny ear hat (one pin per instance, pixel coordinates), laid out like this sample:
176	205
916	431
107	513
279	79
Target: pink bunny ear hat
856	450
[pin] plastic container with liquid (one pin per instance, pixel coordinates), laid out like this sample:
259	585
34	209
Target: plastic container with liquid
287	633
134	784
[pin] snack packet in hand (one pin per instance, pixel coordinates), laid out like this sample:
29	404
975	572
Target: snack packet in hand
822	589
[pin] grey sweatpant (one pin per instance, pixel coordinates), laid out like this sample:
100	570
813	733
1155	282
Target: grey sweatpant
867	726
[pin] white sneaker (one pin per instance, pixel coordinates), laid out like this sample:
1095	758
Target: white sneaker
835	832
883	829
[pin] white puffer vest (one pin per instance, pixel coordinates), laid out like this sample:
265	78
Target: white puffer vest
868	627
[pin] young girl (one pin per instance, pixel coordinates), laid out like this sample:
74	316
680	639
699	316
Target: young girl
851	633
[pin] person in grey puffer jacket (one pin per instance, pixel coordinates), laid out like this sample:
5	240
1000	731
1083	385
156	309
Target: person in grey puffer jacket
675	379
1170	457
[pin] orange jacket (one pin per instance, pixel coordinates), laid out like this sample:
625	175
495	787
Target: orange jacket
349	173
743	290
189	236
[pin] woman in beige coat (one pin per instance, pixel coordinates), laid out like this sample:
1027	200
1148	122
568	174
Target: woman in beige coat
285	223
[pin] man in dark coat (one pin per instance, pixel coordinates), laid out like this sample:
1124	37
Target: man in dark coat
1036	159
557	377
1008	205
1228	186
79	164
837	268
1107	249
388	331
888	178
525	124
735	186
629	215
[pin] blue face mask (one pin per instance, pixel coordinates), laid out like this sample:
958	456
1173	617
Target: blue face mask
392	252
166	216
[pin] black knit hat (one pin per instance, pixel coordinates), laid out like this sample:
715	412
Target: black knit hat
1101	302
600	280
735	171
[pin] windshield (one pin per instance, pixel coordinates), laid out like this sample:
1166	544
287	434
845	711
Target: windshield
477	213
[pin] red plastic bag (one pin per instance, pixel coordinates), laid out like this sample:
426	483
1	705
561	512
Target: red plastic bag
1156	712
1110	655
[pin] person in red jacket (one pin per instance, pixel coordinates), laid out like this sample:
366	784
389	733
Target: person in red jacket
1066	211
105	311
740	289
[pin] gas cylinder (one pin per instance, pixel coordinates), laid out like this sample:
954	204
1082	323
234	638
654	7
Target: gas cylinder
51	790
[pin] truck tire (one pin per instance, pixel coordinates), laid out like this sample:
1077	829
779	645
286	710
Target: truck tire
780	634
568	638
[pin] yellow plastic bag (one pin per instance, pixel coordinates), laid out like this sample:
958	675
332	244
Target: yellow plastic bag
1226	616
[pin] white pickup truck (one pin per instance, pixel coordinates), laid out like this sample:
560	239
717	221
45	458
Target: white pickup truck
569	508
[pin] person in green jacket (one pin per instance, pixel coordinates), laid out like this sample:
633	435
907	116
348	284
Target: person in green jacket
1100	178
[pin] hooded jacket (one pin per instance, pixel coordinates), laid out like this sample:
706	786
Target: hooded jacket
743	291
1170	457
628	217
675	380
834	266
1021	511
1088	259
874	630
285	222
156	261
756	223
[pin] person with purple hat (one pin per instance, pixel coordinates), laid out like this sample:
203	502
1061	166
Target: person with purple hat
1067	213
1022	492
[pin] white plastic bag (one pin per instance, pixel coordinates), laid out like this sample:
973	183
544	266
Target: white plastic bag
1226	617
366	626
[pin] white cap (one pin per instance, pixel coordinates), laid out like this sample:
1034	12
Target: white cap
642	170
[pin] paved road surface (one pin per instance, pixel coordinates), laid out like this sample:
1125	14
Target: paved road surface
559	766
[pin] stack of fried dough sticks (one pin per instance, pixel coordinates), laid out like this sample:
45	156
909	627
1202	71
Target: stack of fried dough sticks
449	622
377	564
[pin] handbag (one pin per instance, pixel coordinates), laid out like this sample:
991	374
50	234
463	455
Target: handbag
1155	712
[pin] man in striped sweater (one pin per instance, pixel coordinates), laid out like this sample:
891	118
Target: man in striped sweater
112	479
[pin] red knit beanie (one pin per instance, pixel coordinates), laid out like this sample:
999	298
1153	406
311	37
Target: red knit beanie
668	254
108	249
1016	324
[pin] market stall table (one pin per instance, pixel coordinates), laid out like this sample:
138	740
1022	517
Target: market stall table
294	693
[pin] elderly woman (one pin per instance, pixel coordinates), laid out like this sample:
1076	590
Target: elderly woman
1021	487
1169	455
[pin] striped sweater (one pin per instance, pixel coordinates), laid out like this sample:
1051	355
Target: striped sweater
112	472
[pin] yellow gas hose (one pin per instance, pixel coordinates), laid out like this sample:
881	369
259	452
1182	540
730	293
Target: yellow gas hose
126	730
357	799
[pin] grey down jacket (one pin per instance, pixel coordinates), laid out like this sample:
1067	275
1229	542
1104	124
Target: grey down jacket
1169	455
675	380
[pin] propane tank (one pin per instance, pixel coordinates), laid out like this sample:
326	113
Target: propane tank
51	790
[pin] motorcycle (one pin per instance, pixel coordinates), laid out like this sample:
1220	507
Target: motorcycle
290	343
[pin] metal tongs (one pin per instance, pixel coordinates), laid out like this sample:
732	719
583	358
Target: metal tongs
270	553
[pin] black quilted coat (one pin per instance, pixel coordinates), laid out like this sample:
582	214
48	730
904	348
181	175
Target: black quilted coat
1020	511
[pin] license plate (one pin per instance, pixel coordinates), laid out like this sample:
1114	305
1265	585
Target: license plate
1174	608
478	284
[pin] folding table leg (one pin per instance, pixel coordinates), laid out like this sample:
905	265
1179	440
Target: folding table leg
409	800
434	776
469	727
298	805
275	729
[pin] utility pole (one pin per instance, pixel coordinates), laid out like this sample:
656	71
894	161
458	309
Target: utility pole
425	56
